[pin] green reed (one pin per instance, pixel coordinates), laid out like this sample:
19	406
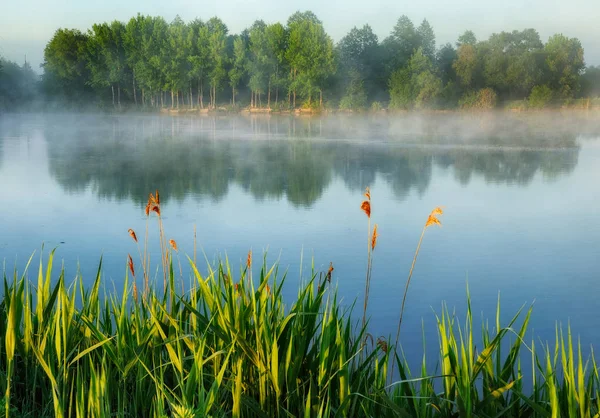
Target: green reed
230	346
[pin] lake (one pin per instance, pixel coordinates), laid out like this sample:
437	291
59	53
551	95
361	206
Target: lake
519	192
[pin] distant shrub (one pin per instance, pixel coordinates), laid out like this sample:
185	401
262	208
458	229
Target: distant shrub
516	105
479	100
355	97
376	107
540	97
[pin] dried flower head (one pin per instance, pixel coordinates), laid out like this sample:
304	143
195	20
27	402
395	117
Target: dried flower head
135	294
382	343
130	264
329	271
157	197
249	259
432	219
173	244
132	234
156	209
366	207
368	193
374	237
148	206
151	200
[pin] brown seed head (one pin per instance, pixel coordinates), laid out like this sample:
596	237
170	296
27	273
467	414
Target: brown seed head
157	197
366	207
382	343
130	264
173	244
156	209
437	211
148	206
368	193
135	295
432	220
374	237
328	277
151	200
132	234
249	259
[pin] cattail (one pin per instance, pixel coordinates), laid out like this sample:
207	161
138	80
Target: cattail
366	207
328	277
132	234
368	193
249	259
130	263
173	244
374	237
382	343
432	219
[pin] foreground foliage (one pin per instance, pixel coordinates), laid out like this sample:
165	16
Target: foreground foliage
230	347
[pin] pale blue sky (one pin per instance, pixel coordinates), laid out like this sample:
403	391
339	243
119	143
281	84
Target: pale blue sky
27	25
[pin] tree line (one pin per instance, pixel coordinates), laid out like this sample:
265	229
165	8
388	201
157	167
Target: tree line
150	63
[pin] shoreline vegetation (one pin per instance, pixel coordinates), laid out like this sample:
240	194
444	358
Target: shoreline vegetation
295	66
227	344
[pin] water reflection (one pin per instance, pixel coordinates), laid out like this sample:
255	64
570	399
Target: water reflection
295	158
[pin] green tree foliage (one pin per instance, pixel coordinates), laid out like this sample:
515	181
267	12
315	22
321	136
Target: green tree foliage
564	58
65	65
140	62
359	66
417	85
540	97
19	85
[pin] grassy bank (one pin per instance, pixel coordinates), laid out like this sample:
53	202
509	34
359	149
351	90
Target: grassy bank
230	345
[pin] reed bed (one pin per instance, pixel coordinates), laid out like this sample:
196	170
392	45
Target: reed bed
229	345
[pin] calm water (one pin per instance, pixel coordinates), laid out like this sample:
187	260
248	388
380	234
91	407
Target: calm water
520	193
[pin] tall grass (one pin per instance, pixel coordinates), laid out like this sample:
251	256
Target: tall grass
230	346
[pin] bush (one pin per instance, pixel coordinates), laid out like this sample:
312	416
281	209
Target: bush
376	107
483	99
540	97
355	98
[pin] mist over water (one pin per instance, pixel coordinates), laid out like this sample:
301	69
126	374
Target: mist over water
518	192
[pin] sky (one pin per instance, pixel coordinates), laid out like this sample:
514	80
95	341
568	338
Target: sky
27	25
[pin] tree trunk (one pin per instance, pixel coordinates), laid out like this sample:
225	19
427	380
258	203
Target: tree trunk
276	95
321	98
269	95
134	93
233	96
119	95
162	99
191	96
172	100
201	94
112	88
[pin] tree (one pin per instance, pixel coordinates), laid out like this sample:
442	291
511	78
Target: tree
65	65
217	56
310	55
564	59
466	64
358	60
238	68
467	38
416	85
426	39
